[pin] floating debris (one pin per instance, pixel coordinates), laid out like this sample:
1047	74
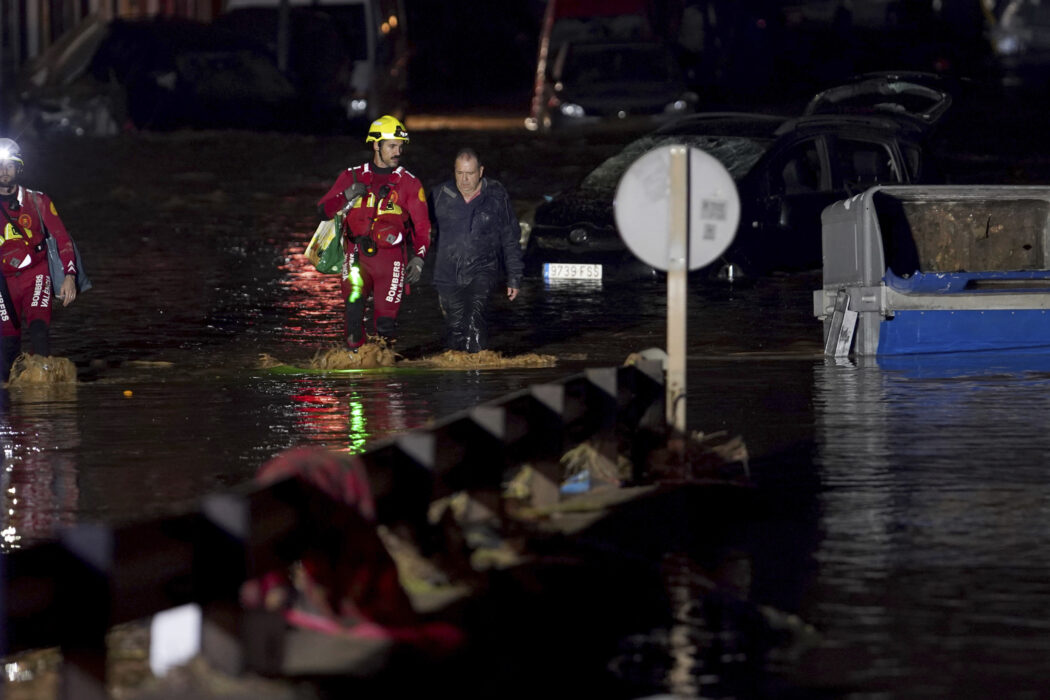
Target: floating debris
650	354
377	353
38	369
486	359
268	361
602	465
150	364
699	456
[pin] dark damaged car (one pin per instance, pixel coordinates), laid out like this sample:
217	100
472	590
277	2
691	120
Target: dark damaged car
787	170
920	97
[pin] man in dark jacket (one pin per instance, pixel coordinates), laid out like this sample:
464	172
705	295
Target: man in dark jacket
476	232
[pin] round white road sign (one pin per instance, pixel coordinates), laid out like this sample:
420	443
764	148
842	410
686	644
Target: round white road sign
643	207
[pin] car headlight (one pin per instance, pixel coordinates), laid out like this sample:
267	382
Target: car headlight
572	110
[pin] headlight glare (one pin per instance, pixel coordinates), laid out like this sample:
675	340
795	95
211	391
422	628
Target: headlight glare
1008	44
356	106
685	103
572	110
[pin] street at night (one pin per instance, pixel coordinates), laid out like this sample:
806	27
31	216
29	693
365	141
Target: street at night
891	524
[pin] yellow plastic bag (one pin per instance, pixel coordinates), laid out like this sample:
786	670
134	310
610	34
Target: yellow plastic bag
325	249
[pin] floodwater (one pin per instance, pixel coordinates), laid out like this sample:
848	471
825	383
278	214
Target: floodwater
911	503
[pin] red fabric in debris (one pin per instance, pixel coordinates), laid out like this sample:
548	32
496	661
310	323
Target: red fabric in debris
348	575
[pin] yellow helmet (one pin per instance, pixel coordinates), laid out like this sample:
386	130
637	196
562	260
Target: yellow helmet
386	127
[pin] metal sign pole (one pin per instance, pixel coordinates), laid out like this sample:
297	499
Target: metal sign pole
677	209
677	286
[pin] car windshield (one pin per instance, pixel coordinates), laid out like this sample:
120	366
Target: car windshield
737	153
602	64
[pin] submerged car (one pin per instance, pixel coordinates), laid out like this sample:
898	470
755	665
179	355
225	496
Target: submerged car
787	170
596	83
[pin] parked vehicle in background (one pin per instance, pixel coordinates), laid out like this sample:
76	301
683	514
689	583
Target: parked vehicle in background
345	64
1020	43
351	55
787	170
58	93
596	83
152	74
566	21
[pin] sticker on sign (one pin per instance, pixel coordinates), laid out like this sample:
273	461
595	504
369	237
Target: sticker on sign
572	271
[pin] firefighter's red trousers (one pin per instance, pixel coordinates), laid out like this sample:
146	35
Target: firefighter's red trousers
383	277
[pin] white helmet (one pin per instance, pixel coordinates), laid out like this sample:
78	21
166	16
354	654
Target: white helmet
10	150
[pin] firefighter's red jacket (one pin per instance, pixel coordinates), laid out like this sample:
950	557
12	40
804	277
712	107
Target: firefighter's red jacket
393	211
22	244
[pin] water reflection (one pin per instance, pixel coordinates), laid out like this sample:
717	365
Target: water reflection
39	434
309	300
348	418
935	507
921	542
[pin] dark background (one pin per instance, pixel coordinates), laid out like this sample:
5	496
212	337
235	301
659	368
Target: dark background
484	54
472	54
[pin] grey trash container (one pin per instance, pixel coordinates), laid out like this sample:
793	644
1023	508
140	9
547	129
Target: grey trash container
931	269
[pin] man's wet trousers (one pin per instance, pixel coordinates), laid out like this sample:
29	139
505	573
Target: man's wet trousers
465	308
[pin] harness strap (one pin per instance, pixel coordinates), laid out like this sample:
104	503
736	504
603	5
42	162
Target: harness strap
22	232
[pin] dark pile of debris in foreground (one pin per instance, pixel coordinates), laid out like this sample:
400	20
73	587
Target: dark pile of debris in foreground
637	581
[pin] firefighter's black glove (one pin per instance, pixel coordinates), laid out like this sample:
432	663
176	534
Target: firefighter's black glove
414	270
354	191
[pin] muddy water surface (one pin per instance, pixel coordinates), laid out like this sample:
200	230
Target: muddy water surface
910	530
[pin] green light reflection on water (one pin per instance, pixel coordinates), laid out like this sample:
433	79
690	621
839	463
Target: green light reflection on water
358	425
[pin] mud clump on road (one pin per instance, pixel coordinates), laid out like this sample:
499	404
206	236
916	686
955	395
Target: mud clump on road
368	356
36	369
485	359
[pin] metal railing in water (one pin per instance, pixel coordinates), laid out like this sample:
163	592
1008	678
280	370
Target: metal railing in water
68	593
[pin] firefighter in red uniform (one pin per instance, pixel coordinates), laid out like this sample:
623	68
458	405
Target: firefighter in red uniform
386	230
26	217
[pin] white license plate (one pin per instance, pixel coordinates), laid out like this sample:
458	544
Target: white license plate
571	271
